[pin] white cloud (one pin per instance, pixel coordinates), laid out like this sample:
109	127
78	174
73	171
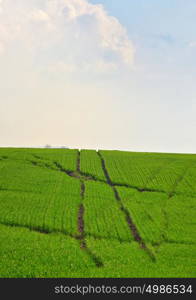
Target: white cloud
72	33
40	15
192	44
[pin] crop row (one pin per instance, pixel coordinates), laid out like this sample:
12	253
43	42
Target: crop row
38	197
26	253
159	218
90	164
67	158
161	172
103	218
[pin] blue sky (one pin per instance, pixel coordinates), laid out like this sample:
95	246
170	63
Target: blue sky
117	76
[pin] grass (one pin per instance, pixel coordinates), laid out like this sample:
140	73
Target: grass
103	217
90	164
147	211
65	213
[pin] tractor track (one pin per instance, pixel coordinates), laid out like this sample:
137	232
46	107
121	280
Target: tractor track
81	210
37	229
78	174
171	194
132	226
81	223
3	157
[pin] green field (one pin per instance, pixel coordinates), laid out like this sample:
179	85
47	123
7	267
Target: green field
70	213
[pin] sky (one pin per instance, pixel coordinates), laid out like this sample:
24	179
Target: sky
98	74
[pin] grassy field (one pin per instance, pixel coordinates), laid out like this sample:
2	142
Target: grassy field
70	213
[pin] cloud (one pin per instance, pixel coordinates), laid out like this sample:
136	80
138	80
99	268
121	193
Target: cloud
71	34
192	44
40	15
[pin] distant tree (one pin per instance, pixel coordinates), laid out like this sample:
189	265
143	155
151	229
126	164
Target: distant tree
64	147
48	146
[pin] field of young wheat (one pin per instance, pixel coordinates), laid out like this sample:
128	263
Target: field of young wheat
70	213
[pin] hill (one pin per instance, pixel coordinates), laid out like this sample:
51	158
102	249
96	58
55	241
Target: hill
70	213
